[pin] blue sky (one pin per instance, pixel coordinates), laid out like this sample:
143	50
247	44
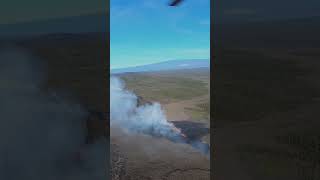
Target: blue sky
150	31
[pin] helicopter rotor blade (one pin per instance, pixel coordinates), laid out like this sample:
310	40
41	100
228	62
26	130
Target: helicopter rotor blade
175	2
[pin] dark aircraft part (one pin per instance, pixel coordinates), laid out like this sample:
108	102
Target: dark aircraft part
97	126
175	2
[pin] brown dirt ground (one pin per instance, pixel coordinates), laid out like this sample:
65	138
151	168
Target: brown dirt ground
145	157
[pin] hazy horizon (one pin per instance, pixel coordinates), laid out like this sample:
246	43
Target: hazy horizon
164	61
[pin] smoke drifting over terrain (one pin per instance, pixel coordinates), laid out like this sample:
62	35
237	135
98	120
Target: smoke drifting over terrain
41	136
148	118
126	113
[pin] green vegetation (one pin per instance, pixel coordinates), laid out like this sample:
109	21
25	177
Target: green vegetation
164	88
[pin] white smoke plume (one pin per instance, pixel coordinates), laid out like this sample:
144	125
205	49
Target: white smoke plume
148	118
126	113
41	135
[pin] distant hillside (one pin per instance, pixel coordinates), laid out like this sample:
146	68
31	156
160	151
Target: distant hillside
167	65
74	24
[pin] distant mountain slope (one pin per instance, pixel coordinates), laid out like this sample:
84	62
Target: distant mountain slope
167	65
75	24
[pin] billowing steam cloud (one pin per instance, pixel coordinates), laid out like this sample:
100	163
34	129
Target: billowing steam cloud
148	118
41	136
